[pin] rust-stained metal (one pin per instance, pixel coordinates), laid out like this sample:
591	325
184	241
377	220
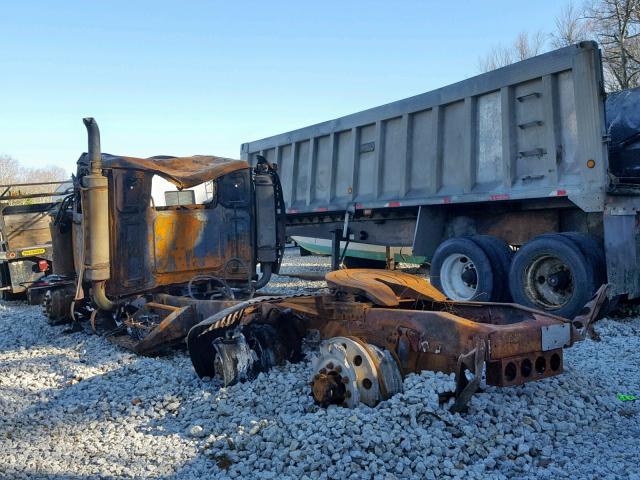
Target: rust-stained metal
391	315
127	250
164	246
143	247
383	287
160	321
183	172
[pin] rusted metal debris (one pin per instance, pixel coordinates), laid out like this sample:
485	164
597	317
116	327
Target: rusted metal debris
378	326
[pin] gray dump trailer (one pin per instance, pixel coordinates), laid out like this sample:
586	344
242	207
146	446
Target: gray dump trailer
504	182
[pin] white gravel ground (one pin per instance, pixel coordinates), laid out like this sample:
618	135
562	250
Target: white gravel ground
75	406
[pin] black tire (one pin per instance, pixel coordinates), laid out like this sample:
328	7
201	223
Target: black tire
56	306
500	255
529	287
591	247
467	249
593	251
357	262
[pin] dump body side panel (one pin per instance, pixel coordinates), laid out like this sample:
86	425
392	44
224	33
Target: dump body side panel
523	131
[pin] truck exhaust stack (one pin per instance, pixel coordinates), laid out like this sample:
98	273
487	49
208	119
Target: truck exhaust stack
95	219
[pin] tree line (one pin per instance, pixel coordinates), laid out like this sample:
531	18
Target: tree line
614	24
11	172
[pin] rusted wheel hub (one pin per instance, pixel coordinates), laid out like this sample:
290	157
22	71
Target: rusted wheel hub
328	389
349	371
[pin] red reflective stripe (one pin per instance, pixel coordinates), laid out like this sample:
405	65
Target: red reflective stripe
560	193
499	196
322	209
393	204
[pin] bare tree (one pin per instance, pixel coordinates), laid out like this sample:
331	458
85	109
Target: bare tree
615	24
498	56
572	26
50	173
617	28
11	172
529	45
524	46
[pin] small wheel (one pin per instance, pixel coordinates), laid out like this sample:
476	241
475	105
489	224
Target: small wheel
56	305
462	270
551	273
500	255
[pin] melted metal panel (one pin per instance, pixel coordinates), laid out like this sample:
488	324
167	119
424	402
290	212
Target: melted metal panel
187	240
154	247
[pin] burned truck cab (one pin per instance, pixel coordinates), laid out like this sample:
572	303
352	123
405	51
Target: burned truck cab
125	243
159	246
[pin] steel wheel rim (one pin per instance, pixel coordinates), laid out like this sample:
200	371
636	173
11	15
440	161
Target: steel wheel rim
451	277
539	277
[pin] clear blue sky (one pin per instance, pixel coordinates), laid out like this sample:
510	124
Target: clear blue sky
201	77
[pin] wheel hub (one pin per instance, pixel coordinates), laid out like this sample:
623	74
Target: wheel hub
470	277
559	280
459	277
349	371
549	282
328	389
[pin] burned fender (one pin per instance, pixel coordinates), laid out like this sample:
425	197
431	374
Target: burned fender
241	341
200	337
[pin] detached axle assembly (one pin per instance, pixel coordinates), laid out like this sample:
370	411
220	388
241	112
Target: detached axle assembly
378	326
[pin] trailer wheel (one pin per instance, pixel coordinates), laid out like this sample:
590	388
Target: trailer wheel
500	256
592	250
550	273
461	270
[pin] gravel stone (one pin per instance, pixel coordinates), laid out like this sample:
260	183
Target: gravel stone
76	406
